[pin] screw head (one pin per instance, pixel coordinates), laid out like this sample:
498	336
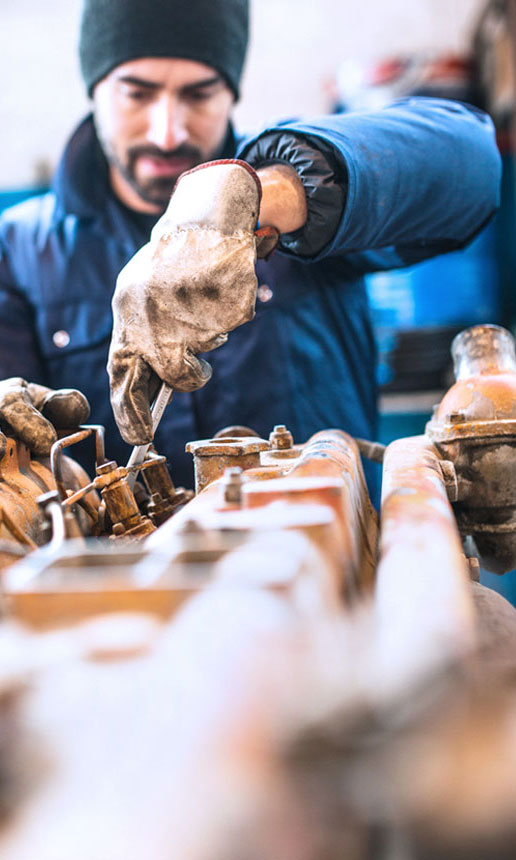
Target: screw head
456	417
281	438
232	484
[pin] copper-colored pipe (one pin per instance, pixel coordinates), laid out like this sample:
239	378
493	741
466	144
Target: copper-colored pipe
329	472
423	603
56	453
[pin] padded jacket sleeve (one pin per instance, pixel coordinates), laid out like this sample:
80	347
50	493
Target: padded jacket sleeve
391	187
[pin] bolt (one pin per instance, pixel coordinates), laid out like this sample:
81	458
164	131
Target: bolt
474	569
450	480
232	485
118	529
456	417
281	438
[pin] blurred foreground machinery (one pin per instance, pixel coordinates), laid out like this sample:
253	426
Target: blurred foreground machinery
259	671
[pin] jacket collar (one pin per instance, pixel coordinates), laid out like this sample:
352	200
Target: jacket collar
81	182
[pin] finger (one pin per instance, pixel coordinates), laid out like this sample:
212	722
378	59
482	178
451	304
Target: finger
130	382
213	342
27	423
66	407
193	373
37	393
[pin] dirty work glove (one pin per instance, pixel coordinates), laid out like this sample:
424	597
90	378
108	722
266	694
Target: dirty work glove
32	412
183	292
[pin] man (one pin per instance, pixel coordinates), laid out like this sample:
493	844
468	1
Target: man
346	194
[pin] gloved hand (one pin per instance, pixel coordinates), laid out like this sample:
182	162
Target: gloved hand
186	289
32	412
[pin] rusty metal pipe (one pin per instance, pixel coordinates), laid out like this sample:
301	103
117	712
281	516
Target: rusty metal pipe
56	459
326	473
329	452
423	604
56	453
100	448
333	453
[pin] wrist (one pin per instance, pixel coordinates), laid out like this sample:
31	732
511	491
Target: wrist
283	204
323	172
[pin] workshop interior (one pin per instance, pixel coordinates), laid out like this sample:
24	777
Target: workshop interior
269	664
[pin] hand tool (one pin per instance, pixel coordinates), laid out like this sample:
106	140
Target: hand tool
139	452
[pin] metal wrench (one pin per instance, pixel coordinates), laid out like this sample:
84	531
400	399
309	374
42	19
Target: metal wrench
139	452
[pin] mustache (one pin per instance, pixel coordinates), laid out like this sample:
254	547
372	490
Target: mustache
182	151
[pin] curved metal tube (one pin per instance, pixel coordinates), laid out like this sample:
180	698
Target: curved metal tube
56	462
423	605
334	453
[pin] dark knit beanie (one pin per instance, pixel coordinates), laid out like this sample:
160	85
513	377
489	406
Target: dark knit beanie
213	32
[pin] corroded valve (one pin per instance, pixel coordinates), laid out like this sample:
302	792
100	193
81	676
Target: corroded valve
474	427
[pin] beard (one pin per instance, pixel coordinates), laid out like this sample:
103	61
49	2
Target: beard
156	190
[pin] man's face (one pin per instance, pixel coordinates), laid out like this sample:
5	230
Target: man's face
155	118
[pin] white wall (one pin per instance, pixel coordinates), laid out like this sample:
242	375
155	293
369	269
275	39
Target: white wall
295	45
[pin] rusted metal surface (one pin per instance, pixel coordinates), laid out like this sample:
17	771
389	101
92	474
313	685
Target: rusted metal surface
423	602
275	719
120	514
232	483
218	530
179	747
282	448
165	498
281	438
260	715
277	710
324	473
22	480
120	502
474	428
213	456
483	400
333	453
73	580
